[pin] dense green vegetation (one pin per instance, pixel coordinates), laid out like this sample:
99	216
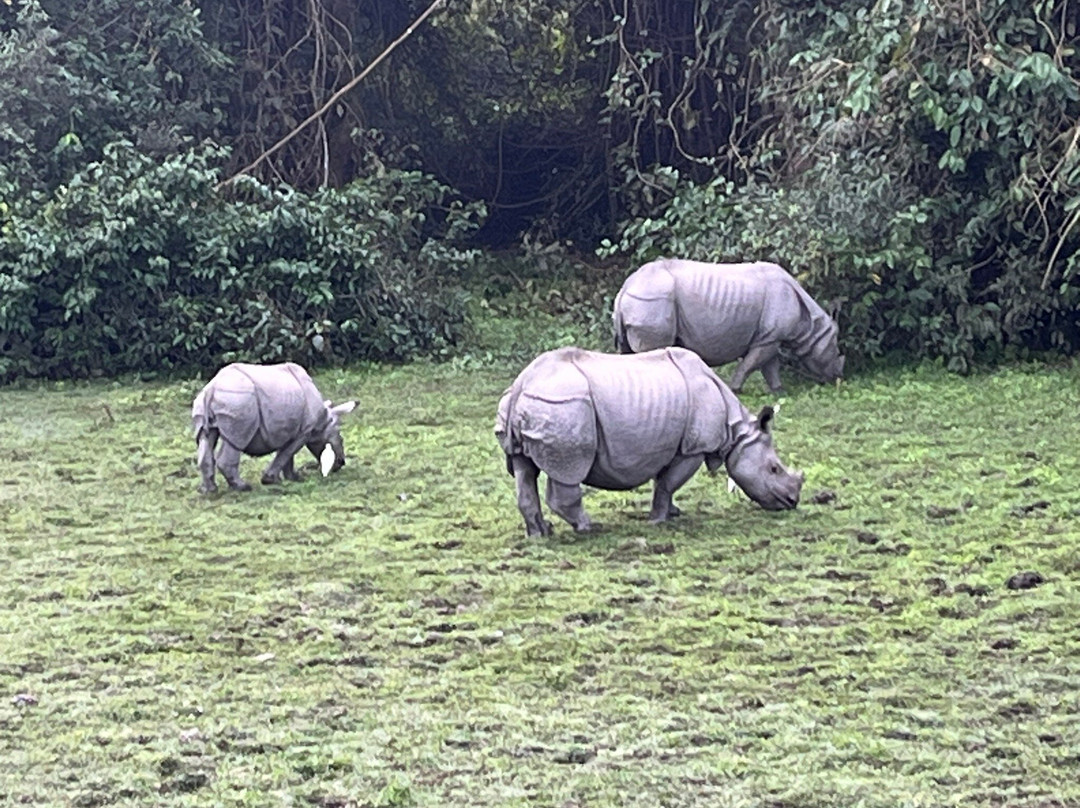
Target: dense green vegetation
138	265
388	636
915	162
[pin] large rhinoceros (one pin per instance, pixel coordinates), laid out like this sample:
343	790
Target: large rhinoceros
615	421
724	312
260	409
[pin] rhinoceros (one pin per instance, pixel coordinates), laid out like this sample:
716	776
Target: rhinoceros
724	312
616	421
260	409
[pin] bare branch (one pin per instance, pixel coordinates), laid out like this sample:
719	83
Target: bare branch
336	96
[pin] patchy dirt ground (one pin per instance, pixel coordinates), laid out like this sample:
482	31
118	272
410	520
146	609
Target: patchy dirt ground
910	635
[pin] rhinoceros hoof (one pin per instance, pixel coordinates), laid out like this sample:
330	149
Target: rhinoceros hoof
295	477
271	479
208	488
240	486
543	530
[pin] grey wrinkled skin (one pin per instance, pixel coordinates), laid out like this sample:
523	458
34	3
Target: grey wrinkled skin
258	410
616	421
724	312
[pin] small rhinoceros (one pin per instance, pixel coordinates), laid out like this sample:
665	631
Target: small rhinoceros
260	409
724	312
616	421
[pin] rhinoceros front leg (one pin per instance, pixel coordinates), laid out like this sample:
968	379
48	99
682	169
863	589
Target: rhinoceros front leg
207	442
528	498
756	357
289	471
771	371
668	482
283	460
228	460
565	500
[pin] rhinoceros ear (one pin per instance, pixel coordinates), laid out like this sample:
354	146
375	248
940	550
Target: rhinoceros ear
765	417
326	460
342	409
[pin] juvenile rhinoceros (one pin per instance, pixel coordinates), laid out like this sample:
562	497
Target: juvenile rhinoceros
615	421
260	409
724	312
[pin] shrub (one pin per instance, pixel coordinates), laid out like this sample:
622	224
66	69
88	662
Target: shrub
917	165
140	263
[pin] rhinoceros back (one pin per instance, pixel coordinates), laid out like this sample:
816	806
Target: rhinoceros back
261	408
721	307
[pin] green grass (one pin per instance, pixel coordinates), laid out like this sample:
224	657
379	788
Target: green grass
389	637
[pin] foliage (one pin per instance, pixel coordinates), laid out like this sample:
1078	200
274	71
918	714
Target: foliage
678	96
140	264
501	99
834	238
915	162
78	76
291	56
920	168
387	635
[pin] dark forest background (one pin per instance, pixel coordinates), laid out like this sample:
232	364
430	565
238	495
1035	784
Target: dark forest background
916	163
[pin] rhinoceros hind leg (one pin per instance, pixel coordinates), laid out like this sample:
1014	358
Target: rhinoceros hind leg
565	500
228	460
668	482
528	498
207	440
757	357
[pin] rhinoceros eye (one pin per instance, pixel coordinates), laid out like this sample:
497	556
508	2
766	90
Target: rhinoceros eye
774	468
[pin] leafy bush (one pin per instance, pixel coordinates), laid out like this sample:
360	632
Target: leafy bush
78	76
918	167
139	263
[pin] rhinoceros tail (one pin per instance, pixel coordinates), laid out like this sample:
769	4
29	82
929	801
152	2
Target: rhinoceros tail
619	332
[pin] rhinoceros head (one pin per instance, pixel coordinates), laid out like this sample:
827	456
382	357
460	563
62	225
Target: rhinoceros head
825	368
754	465
824	362
328	446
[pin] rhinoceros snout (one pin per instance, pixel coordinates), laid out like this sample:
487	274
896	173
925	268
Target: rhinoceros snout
780	503
788	499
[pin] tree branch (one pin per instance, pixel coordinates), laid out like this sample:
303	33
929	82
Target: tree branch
336	96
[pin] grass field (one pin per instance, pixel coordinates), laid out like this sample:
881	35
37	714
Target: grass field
388	636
